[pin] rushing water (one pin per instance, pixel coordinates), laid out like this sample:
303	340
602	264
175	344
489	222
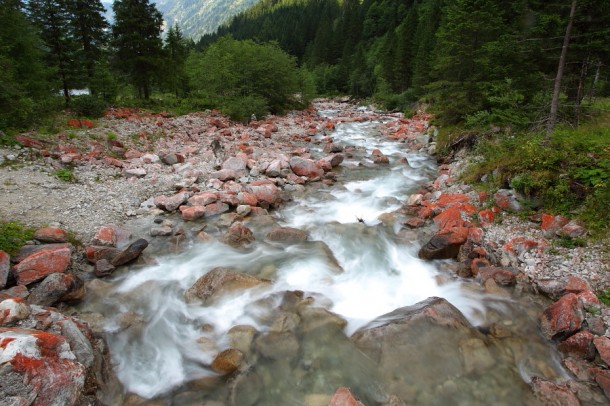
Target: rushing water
163	346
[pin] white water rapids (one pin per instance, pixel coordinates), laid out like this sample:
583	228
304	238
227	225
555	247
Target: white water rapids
158	342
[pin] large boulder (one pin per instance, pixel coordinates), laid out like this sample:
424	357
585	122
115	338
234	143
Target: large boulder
445	244
399	343
265	191
305	167
220	281
56	288
562	318
287	235
54	259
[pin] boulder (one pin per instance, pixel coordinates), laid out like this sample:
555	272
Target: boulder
602	377
94	253
402	337
265	191
215	209
502	276
103	267
247	199
287	235
275	167
203	199
16	292
28	250
55	288
13	311
277	345
42	263
573	229
562	318
39	368
105	236
191	213
444	245
235	164
552	394
51	235
508	200
579	345
237	236
5	267
602	344
552	224
130	253
305	167
228	361
224	175
343	397
220	281
171	158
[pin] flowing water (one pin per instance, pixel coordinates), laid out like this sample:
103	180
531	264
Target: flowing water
354	265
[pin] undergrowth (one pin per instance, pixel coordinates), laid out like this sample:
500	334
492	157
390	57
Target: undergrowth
13	235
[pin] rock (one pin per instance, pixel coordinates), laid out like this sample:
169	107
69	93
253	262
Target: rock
130	253
54	288
39	368
507	200
16	292
191	213
382	160
502	276
602	344
13	311
235	164
562	318
215	209
305	167
171	158
203	199
135	173
579	345
476	355
277	345
151	159
28	250
275	167
552	394
399	338
224	175
105	236
551	287
243	210
444	245
173	202
42	263
265	191
589	301
237	236
334	160
228	361
573	229
415	222
103	267
602	377
51	235
5	267
94	253
287	235
241	337
343	397
552	224
220	281
574	284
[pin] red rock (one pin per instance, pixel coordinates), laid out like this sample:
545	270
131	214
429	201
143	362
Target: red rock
450	199
377	152
75	123
501	276
191	213
305	167
132	153
247	198
414	222
105	236
203	199
579	345
113	162
572	230
264	191
228	198
171	203
553	394
94	253
224	175
343	397
562	318
87	123
478	263
235	164
51	235
602	377
506	200
602	344
29	142
16	292
574	284
237	236
5	265
551	224
452	217
487	216
589	300
46	365
40	264
215	209
228	361
325	165
381	160
444	245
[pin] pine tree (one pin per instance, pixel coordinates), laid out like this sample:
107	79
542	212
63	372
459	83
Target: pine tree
89	27
177	51
137	43
53	20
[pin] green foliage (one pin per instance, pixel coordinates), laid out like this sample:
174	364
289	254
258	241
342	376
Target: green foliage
88	106
243	107
65	174
229	70
604	296
14	235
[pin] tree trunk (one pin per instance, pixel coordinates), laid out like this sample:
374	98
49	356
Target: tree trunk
562	61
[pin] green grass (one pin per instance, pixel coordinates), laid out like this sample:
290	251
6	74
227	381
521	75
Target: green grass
604	296
65	175
13	235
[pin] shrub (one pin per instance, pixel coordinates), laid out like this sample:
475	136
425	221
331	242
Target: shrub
88	106
65	174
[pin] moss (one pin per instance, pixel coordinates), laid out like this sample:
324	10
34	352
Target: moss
13	235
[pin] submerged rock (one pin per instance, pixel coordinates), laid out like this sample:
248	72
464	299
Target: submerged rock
287	235
220	281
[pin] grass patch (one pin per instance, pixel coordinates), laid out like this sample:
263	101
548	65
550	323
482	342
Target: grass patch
14	235
65	174
604	296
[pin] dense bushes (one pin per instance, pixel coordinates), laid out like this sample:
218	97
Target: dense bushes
245	78
88	106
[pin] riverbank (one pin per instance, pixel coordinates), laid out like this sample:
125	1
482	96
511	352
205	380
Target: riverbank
135	168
